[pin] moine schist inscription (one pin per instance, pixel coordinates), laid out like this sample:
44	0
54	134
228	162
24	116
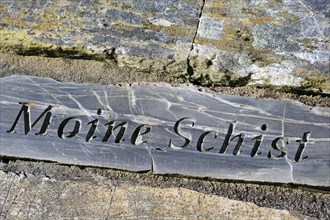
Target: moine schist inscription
165	129
145	129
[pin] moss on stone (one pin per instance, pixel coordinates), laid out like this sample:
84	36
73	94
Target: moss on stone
19	42
318	84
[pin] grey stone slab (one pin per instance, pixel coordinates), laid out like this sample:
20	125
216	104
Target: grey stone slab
71	152
294	147
227	166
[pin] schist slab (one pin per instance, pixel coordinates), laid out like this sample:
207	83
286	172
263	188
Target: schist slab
165	130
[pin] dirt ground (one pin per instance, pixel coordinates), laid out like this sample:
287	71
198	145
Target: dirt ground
296	199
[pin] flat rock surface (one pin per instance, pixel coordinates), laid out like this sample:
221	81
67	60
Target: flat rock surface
165	130
23	185
45	198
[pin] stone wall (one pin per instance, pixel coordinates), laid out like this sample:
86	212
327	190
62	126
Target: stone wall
211	42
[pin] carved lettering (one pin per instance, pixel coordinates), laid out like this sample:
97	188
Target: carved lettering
279	144
201	138
93	127
256	145
258	142
27	119
239	143
136	138
302	145
228	139
111	128
282	148
76	129
176	130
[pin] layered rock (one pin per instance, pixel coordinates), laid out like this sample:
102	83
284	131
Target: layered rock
212	42
149	36
263	42
30	196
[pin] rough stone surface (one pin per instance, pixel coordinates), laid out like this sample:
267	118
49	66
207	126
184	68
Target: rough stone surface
264	42
211	42
149	35
94	71
45	191
157	133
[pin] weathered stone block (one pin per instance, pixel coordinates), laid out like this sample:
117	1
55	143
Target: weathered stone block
269	42
165	129
152	34
212	42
